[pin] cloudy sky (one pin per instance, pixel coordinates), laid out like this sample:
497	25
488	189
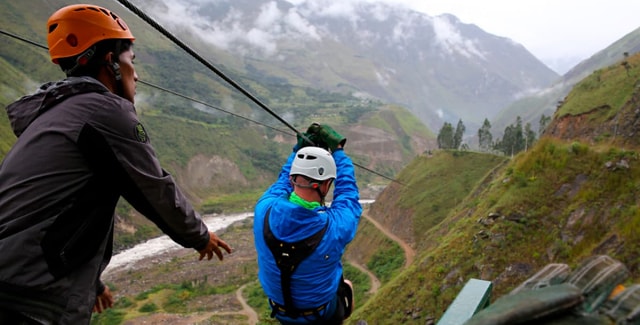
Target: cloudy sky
556	32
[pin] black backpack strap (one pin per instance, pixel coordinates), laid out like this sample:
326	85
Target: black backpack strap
288	256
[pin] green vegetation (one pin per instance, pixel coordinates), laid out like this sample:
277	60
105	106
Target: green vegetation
606	90
559	202
236	202
436	185
168	298
361	283
386	261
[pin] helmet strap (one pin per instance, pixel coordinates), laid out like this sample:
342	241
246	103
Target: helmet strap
114	65
312	184
82	60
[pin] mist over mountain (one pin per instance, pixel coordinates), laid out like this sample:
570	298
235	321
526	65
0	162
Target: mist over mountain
546	100
438	67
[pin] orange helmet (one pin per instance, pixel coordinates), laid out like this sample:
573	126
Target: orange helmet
73	29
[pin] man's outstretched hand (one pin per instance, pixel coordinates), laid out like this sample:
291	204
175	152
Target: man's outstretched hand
104	300
214	247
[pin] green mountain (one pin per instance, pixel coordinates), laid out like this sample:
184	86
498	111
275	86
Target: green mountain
573	195
545	101
438	67
223	149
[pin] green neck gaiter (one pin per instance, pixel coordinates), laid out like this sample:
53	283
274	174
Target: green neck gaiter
294	198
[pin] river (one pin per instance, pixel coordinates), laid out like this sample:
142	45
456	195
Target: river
163	244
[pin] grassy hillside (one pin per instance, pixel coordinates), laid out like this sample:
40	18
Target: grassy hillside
530	108
432	185
603	108
571	196
610	87
559	203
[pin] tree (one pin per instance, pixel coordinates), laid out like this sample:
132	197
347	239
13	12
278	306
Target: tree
485	139
544	122
529	137
457	137
445	136
513	140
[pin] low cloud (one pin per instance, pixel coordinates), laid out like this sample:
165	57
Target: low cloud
238	32
448	37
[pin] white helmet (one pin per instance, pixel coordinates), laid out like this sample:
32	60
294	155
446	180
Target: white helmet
315	163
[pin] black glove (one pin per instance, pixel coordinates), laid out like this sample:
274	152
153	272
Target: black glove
328	138
310	135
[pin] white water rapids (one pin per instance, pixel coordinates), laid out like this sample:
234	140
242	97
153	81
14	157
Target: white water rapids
163	244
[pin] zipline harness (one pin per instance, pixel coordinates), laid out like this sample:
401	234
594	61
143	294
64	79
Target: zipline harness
287	257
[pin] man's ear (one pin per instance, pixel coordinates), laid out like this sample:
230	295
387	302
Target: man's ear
326	185
108	58
113	65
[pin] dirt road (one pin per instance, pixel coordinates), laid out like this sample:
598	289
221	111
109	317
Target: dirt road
234	305
409	253
375	282
246	309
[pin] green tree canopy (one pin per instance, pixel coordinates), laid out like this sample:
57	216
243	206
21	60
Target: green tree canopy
445	136
485	138
458	135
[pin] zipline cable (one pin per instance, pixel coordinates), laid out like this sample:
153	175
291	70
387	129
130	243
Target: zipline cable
220	74
202	60
162	89
214	107
211	106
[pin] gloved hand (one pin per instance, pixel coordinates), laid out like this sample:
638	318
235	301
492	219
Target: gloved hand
310	135
329	139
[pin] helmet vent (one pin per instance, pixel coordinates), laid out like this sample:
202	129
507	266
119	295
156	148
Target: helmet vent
307	157
52	27
72	40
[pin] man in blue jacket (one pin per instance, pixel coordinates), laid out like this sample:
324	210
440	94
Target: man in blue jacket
300	241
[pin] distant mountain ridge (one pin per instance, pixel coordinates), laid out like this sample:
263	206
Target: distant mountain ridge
438	67
546	100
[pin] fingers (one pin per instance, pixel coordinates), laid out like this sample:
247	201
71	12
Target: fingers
223	244
204	253
218	253
97	308
214	247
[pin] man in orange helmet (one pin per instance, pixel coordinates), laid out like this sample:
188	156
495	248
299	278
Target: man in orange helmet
81	147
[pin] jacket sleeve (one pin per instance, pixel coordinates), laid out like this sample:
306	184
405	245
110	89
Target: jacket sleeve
124	145
345	207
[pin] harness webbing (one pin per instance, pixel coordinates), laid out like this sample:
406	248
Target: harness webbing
288	256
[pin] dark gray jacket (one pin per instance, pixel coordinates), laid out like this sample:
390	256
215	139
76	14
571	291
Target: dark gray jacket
79	149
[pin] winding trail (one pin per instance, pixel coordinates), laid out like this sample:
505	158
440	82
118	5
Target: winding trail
250	312
375	282
409	253
246	309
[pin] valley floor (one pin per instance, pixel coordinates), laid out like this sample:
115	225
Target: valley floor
238	269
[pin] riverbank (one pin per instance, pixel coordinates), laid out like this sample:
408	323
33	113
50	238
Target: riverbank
163	244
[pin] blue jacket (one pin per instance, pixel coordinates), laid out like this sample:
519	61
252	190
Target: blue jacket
315	281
